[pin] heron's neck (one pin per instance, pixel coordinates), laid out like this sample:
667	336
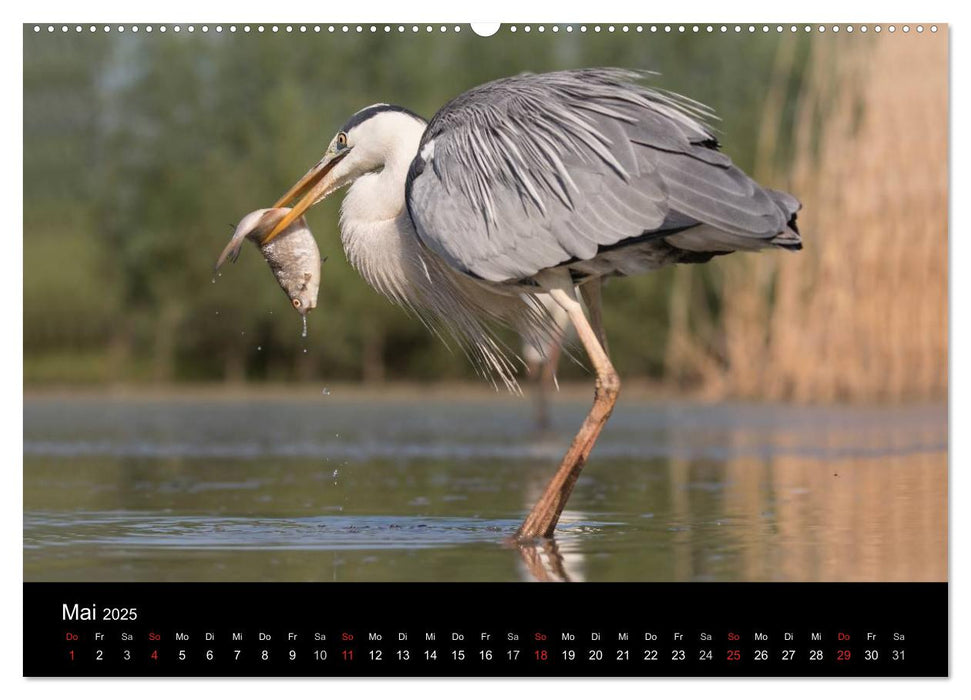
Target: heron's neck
378	236
380	195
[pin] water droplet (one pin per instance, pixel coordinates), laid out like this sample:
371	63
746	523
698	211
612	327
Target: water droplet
242	332
305	351
304	334
259	347
325	391
217	313
214	280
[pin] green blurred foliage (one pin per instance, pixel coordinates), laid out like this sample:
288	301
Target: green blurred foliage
142	150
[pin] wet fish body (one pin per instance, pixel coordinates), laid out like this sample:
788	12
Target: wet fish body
293	255
295	261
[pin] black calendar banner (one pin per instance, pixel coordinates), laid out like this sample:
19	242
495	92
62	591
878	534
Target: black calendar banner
473	629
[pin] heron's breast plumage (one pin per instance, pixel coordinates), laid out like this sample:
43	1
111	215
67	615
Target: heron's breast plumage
381	243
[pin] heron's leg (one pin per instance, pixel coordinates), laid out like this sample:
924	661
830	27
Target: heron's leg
542	519
552	360
591	296
545	377
537	374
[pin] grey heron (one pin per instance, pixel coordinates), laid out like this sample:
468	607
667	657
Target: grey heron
532	184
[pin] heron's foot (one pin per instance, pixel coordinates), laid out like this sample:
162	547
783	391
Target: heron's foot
541	521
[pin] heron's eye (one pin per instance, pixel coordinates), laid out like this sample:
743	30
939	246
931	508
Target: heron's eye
296	303
342	140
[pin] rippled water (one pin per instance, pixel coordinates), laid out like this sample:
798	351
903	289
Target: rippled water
340	489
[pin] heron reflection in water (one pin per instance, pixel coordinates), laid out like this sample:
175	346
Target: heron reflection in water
529	185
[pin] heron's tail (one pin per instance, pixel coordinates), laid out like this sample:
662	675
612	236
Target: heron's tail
706	240
790	239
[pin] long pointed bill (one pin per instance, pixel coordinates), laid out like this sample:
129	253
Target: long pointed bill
310	189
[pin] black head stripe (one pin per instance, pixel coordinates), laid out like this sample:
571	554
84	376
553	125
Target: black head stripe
369	112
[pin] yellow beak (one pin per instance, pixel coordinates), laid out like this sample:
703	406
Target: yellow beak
310	189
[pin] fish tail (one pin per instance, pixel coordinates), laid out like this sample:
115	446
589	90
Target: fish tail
231	251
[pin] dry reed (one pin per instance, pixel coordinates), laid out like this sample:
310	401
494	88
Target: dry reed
861	313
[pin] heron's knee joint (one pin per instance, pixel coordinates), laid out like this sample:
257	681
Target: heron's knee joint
608	384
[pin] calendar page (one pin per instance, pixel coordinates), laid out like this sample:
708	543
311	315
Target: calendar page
654	316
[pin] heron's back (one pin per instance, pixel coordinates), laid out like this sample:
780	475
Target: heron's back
539	171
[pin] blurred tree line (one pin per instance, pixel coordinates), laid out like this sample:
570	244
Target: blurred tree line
141	151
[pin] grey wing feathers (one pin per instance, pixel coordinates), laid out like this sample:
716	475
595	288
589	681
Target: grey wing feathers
528	172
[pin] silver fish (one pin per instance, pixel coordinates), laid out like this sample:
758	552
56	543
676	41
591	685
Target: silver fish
293	255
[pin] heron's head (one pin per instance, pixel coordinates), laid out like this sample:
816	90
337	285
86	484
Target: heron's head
363	145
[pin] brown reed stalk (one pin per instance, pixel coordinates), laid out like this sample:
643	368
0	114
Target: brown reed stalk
861	313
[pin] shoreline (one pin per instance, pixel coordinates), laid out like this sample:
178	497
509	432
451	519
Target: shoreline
411	392
386	391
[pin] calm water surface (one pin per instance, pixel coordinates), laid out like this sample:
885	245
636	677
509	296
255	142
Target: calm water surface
341	489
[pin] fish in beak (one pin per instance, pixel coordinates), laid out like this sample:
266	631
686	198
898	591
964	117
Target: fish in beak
309	190
293	256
